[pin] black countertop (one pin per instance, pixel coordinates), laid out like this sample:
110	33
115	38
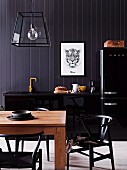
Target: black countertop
46	93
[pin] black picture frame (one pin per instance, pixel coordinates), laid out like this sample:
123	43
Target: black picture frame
72	58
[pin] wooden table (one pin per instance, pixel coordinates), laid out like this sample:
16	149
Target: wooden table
51	122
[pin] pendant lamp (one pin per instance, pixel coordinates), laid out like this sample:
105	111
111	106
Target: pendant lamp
31	30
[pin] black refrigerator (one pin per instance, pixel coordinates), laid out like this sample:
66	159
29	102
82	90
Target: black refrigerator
113	88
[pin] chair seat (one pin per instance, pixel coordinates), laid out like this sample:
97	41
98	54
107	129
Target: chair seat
21	160
24	159
83	142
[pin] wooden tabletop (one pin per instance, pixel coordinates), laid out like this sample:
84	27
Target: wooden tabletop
43	118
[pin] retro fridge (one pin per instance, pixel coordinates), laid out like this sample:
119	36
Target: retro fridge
113	87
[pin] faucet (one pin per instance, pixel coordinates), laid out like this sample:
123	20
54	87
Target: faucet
30	86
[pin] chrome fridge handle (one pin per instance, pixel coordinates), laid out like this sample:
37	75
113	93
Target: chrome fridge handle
110	104
109	92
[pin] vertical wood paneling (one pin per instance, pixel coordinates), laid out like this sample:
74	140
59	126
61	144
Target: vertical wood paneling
117	20
92	21
125	28
122	18
1	54
88	38
61	35
51	50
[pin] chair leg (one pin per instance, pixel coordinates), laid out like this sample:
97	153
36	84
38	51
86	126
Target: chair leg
16	145
22	145
74	120
112	157
91	163
47	145
40	159
8	144
67	161
34	167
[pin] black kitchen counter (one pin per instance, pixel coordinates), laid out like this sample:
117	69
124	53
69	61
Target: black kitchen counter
48	93
23	100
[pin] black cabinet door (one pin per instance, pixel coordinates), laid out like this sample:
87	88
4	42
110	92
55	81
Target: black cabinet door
113	72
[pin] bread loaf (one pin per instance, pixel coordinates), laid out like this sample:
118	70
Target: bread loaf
60	89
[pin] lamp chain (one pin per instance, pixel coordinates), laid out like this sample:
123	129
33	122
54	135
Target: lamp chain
32	5
32	12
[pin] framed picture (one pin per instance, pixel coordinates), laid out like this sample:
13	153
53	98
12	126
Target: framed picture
72	58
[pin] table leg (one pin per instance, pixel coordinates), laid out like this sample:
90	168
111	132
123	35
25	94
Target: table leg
60	148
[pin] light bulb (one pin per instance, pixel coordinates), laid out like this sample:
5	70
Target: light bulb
32	34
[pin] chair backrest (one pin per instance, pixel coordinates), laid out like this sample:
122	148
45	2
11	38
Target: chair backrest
41	109
18	137
97	125
1	108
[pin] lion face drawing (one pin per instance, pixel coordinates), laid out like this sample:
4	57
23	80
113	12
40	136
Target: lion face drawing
72	57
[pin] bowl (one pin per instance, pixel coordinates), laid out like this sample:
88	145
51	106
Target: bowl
21	114
81	88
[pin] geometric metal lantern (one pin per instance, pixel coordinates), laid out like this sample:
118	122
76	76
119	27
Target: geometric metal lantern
31	30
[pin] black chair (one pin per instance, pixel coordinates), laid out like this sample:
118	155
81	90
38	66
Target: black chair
1	108
14	158
75	110
44	137
95	136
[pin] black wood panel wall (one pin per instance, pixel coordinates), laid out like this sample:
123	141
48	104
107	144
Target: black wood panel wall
92	21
